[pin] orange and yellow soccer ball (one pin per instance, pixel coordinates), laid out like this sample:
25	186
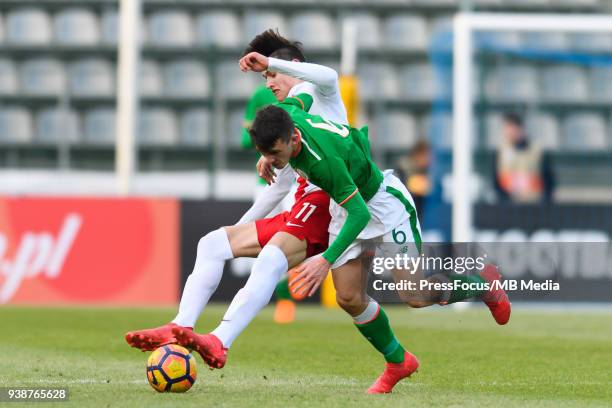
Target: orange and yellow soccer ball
171	368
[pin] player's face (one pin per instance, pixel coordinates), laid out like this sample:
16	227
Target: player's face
281	152
279	84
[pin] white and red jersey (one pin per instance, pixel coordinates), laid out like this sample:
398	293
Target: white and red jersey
321	83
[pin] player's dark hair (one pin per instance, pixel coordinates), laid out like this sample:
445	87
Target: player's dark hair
271	44
513	118
271	124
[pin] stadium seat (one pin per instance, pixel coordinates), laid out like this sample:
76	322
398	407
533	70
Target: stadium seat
584	131
43	77
436	3
151	84
527	3
405	32
600	84
170	29
377	81
157	127
396	130
368	30
100	127
258	22
508	83
565	84
236	84
577	3
219	28
195	127
496	39
15	125
109	27
30	26
545	40
438	129
418	83
9	82
76	26
234	129
56	125
315	30
591	42
440	34
186	78
543	128
493	128
91	77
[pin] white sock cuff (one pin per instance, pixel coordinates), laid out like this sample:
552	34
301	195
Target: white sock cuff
370	313
216	244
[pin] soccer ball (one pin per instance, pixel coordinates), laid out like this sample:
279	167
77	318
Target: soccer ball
171	368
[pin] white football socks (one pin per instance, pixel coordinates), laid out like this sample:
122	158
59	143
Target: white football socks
269	267
213	250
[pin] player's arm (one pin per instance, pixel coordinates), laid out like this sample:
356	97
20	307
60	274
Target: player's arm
333	177
324	78
270	197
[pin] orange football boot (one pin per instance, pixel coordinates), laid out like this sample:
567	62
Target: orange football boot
394	372
150	339
208	346
495	298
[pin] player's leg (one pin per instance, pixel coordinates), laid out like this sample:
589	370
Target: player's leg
280	253
464	286
212	251
287	240
372	322
284	311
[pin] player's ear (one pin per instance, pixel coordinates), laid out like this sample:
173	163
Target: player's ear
295	136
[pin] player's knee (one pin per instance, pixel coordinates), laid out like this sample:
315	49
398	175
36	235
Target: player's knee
416	303
350	302
415	299
214	245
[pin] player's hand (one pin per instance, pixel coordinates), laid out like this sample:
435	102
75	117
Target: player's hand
253	61
311	274
265	170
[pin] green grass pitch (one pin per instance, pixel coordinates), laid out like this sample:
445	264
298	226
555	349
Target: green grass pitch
544	359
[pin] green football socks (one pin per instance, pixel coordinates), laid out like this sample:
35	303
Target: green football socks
379	333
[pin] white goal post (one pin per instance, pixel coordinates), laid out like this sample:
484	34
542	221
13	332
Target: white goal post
465	24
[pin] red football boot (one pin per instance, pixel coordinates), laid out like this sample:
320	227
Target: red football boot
495	298
208	346
150	339
394	372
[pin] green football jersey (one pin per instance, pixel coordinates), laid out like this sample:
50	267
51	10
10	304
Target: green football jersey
337	159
